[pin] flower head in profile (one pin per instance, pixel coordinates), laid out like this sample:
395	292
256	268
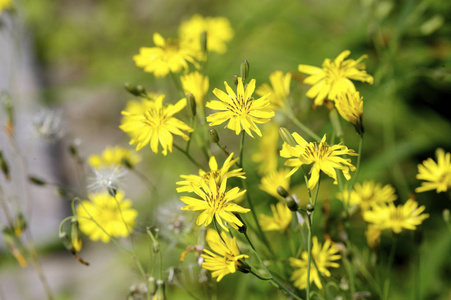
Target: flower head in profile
152	122
197	84
368	194
216	203
350	106
268	149
437	175
396	218
167	56
323	255
218	31
334	77
273	180
279	89
108	212
224	257
217	174
240	109
114	156
280	220
323	157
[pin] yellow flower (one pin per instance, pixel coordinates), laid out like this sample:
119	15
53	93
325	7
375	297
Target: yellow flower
154	123
225	256
218	30
324	158
350	106
373	236
273	180
240	109
167	56
389	216
104	210
279	89
268	149
216	203
334	77
368	194
324	257
114	156
436	174
280	220
217	175
196	84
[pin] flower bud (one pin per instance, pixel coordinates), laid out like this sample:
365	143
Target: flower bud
310	207
287	137
75	236
36	180
446	215
160	294
67	243
131	89
235	79
291	203
191	101
203	41
20	224
10	241
214	136
244	69
282	192
4	166
152	285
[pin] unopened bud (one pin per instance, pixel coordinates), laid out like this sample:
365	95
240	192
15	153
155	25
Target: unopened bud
131	89
291	203
191	105
20	225
203	41
235	79
244	69
214	136
446	215
152	285
126	162
310	208
67	243
141	90
36	180
282	192
287	137
75	236
4	166
160	294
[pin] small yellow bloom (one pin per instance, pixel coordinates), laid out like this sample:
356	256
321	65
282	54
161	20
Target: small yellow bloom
273	180
240	109
350	106
216	203
389	216
114	156
152	122
324	257
368	194
280	220
225	256
218	30
217	175
279	89
167	56
436	174
268	149
334	77
324	158
373	236
104	210
196	84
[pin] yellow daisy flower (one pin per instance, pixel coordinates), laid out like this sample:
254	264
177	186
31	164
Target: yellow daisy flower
218	30
280	220
167	56
217	174
273	180
153	122
240	109
225	256
268	149
334	77
279	89
216	203
103	208
324	158
349	105
368	194
114	156
196	84
436	174
324	257
389	216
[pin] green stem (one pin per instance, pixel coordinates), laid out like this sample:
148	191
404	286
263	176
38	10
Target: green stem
242	148
177	84
189	156
298	123
359	158
389	266
309	253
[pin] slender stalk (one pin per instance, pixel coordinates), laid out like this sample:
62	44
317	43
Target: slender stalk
359	158
309	253
299	124
389	266
188	156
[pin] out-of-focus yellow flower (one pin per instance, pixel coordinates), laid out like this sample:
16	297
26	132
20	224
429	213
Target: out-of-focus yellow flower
268	150
373	236
153	123
280	220
396	218
368	194
218	30
225	256
334	77
240	109
5	4
279	89
324	257
437	175
167	56
216	203
108	212
350	106
217	174
273	180
324	158
196	84
114	156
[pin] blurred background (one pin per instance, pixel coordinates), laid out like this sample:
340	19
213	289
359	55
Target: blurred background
75	56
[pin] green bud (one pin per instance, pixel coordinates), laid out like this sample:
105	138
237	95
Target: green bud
152	285
446	215
20	224
67	243
191	101
131	89
291	203
73	150
282	192
160	294
4	166
214	136
126	162
244	70
203	41
243	267
359	127
310	207
75	236
141	90
36	180
287	137
235	79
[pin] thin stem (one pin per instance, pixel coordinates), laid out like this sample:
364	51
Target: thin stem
309	253
188	156
298	123
242	147
359	158
389	266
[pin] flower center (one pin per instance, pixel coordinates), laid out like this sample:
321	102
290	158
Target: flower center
316	152
240	107
155	117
